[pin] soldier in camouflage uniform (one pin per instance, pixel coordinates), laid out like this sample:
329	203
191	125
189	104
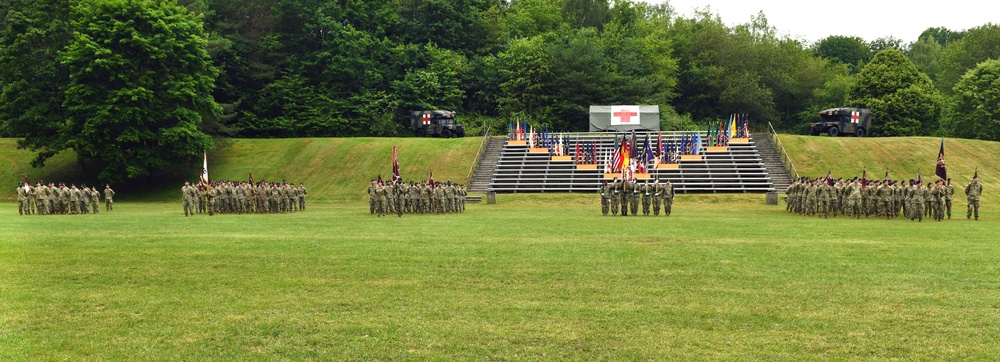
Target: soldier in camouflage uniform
616	194
974	191
949	192
647	195
22	199
633	201
186	195
668	198
657	196
604	190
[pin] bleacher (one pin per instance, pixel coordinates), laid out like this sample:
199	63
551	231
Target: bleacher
738	169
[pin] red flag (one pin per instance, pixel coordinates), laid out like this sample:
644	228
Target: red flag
864	179
941	171
576	156
251	178
395	166
431	179
379	179
26	180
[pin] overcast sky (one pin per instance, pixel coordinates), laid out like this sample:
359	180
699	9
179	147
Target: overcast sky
871	19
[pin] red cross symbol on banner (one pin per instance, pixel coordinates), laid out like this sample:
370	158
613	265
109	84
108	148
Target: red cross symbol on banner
855	117
625	115
427	119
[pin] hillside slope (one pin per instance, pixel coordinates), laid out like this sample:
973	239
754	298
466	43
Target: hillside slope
903	157
333	169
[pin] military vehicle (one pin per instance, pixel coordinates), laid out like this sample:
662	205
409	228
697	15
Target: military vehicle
435	123
843	121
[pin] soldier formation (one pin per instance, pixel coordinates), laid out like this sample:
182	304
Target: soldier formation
230	197
424	197
628	194
912	199
51	199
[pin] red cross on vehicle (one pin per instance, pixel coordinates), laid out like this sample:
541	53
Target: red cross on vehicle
625	115
855	117
427	119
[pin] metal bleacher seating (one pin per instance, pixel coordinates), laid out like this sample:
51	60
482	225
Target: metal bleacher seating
739	170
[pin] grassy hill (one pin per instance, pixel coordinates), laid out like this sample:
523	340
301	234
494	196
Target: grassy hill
903	157
333	169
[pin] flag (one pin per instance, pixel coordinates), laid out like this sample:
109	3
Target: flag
746	126
732	127
251	178
616	160
976	175
864	179
593	153
625	154
576	156
649	155
608	160
430	179
918	178
395	166
696	144
829	177
379	181
941	171
204	169
632	149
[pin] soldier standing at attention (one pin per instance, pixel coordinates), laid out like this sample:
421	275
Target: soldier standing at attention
949	192
634	202
604	190
85	199
74	200
974	190
95	199
668	198
302	196
186	196
647	194
626	195
616	189
657	196
42	198
109	198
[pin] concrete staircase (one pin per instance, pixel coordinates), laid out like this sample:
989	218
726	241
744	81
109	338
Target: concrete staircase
771	156
487	164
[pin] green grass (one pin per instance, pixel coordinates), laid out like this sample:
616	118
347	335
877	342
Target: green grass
903	157
536	277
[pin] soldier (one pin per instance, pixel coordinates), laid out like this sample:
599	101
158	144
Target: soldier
302	196
22	199
41	198
463	194
919	196
657	196
939	192
949	192
634	201
95	199
616	189
974	191
604	190
823	200
186	196
382	198
426	197
64	198
668	198
625	196
647	194
439	198
74	200
85	199
854	199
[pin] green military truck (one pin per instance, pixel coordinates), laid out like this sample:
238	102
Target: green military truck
843	121
435	123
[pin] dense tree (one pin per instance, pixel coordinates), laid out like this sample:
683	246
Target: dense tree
941	35
850	50
903	100
974	104
926	55
978	44
34	81
139	83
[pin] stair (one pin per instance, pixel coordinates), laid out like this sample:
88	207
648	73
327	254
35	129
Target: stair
771	157
487	164
473	199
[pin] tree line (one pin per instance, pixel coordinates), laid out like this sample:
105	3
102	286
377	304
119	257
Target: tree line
136	85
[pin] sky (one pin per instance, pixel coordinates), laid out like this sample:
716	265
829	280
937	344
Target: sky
870	20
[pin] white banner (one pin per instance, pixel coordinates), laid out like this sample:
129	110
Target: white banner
624	115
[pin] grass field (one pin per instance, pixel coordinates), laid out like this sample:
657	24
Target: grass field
531	278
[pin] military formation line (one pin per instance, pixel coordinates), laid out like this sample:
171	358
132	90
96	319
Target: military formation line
231	197
627	194
51	199
424	197
914	200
